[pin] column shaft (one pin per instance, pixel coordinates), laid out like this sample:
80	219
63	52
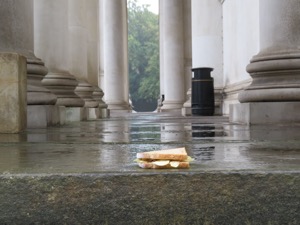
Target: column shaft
78	49
51	44
92	41
186	108
115	52
77	39
93	51
187	43
16	35
99	91
172	44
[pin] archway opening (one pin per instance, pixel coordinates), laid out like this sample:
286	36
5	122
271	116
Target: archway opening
143	54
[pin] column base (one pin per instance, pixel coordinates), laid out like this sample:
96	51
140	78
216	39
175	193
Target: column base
105	113
42	116
187	106
53	115
265	113
97	113
119	112
172	111
275	76
172	107
218	101
186	111
75	114
118	108
92	113
37	116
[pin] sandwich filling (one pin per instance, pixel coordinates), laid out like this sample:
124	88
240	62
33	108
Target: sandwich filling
164	162
170	158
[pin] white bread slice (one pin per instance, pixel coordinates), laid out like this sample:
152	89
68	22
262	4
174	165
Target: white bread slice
150	165
176	154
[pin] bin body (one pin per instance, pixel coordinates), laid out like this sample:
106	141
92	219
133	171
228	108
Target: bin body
203	99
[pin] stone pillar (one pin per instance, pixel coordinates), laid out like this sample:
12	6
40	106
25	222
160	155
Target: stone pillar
101	45
51	44
186	109
92	25
115	52
274	94
102	105
78	53
17	36
207	42
172	57
92	41
161	53
13	112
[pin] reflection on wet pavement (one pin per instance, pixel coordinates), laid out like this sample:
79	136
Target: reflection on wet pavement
110	145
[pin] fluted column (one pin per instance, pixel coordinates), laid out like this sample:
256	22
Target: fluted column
172	58
16	35
115	52
276	68
51	44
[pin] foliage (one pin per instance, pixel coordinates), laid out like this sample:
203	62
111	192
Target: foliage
143	52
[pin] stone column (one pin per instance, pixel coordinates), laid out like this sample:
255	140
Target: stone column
274	94
16	35
93	57
207	41
101	45
275	69
161	53
186	109
77	23
92	41
115	52
102	105
172	58
51	44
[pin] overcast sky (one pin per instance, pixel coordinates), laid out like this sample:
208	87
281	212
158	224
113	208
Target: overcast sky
153	5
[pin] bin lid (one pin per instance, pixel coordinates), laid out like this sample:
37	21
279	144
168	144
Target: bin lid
202	68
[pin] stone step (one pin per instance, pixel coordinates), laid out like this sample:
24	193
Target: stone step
154	197
84	173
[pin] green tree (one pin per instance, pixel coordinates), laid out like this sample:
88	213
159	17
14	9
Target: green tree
143	52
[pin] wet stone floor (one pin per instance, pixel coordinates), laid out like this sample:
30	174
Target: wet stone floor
110	145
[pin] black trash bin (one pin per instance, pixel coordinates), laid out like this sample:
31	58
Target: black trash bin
203	98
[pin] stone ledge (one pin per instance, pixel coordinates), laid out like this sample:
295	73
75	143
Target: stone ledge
151	198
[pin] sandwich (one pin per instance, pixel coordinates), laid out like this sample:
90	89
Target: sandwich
176	158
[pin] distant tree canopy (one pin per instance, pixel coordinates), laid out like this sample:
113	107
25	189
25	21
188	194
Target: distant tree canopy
143	50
